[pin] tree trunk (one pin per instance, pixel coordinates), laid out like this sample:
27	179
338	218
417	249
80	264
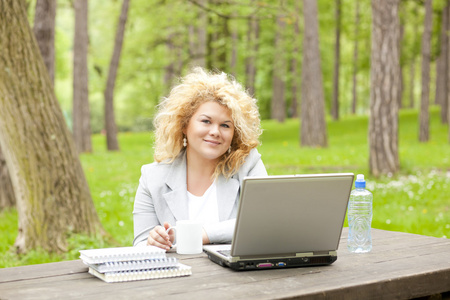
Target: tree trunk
44	30
250	62
400	67
234	52
383	122
412	72
53	198
278	110
7	198
294	64
448	68
313	126
110	122
197	37
355	60
412	75
442	67
81	112
337	51
424	131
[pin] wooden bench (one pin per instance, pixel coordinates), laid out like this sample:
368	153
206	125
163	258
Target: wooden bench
400	266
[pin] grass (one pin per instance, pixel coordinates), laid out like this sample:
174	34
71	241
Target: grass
416	200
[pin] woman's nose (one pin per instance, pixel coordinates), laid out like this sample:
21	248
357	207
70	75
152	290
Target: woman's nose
214	130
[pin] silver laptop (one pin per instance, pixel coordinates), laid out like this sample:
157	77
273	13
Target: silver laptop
286	221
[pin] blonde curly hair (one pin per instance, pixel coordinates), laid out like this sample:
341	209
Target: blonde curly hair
196	88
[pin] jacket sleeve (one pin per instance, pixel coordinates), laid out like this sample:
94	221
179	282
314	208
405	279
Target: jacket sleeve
144	214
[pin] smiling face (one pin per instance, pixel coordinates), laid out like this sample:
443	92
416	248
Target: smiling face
209	132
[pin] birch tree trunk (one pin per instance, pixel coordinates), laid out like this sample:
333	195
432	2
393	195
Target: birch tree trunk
53	198
44	30
313	126
110	122
81	111
424	118
383	122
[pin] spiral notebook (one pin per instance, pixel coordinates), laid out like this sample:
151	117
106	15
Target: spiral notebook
132	263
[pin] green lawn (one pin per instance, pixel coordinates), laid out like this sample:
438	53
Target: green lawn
417	200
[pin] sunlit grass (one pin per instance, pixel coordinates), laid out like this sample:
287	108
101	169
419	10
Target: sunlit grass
415	200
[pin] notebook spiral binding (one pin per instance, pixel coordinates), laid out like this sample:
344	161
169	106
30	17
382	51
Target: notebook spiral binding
98	256
135	265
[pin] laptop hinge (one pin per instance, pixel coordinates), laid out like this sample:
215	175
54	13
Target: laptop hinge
306	254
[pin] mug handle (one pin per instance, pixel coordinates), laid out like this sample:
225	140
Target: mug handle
169	229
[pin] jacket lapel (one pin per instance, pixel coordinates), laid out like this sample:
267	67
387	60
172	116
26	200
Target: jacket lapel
176	198
227	192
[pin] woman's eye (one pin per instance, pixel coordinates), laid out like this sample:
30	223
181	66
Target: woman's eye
206	121
226	125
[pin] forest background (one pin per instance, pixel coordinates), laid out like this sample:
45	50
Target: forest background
159	47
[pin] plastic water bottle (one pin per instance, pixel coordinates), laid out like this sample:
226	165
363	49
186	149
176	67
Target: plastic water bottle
360	217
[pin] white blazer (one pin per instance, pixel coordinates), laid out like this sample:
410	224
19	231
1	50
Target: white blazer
162	197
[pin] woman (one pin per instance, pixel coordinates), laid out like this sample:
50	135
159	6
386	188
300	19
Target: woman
206	134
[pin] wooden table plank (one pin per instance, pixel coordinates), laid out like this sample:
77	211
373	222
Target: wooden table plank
400	266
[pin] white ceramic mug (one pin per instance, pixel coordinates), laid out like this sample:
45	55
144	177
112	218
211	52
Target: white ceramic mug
188	236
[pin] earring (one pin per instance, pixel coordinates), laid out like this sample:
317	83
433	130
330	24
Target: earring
229	150
184	142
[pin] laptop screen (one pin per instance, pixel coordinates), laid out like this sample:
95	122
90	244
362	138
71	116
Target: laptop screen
291	214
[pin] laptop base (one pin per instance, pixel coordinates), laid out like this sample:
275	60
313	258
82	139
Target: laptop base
276	263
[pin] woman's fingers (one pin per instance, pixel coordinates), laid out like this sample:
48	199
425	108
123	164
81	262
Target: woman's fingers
159	238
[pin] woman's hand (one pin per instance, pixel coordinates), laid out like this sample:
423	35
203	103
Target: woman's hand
160	238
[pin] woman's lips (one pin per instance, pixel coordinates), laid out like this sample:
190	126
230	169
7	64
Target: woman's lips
212	142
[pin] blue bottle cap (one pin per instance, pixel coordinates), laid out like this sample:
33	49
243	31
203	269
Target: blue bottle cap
360	182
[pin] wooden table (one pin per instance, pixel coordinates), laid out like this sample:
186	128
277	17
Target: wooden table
400	266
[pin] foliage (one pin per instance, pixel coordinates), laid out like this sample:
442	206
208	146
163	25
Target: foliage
415	200
140	83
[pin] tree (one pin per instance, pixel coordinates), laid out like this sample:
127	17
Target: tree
294	63
337	51
234	51
383	121
52	194
313	126
442	65
400	67
7	198
278	103
424	131
110	122
250	61
44	30
81	111
412	65
197	37
355	59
